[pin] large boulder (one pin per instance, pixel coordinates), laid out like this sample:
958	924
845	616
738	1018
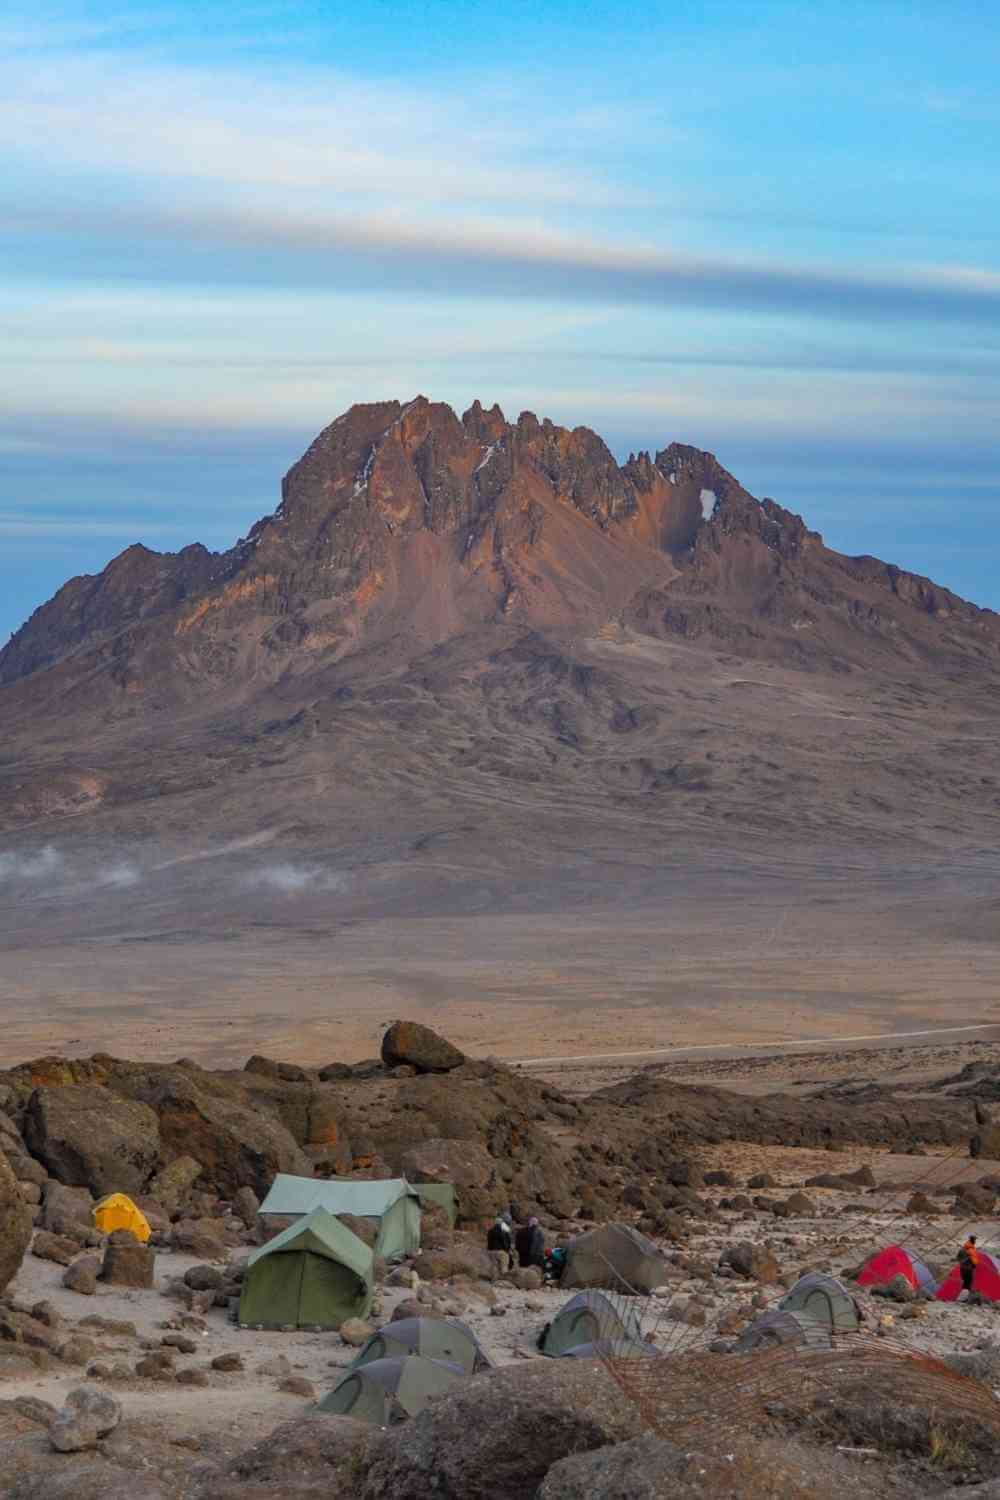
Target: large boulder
15	1224
88	1136
237	1146
407	1042
129	1265
498	1434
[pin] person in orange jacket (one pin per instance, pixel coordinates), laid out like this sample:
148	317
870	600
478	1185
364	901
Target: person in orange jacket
968	1260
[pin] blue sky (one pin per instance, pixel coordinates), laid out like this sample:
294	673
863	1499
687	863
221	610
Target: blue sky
768	229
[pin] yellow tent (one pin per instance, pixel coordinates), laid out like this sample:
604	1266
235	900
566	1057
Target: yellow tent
116	1211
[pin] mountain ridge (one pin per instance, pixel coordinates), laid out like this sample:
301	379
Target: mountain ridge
405	518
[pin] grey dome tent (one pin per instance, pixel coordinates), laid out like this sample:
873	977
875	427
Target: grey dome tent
825	1299
589	1317
615	1256
390	1390
612	1349
446	1339
315	1274
781	1327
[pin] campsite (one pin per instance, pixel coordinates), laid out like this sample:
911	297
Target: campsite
371	1301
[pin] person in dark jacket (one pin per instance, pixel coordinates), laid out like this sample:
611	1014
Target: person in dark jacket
498	1243
530	1245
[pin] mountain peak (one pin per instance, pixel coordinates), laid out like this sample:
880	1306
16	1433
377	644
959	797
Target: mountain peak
403	522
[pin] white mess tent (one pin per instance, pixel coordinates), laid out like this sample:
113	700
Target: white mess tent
392	1205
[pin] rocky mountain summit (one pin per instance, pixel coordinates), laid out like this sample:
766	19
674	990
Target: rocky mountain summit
406	523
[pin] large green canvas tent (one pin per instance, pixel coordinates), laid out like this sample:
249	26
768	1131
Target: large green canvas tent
315	1274
435	1338
615	1256
390	1390
825	1299
588	1318
392	1205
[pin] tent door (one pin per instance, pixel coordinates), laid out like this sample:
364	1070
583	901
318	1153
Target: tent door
328	1292
277	1290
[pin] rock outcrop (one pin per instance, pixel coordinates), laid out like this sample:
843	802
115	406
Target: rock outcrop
93	1138
15	1225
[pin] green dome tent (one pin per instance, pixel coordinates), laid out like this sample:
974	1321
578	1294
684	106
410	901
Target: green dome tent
589	1317
390	1390
826	1300
780	1327
315	1274
446	1339
615	1256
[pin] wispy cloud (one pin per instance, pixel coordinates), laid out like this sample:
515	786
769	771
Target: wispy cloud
288	879
35	865
300	131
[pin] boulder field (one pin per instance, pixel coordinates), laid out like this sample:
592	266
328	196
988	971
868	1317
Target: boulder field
167	1132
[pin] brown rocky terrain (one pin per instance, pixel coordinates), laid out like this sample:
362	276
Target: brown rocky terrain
741	1192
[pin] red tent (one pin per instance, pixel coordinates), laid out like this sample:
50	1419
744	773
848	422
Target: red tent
896	1260
986	1281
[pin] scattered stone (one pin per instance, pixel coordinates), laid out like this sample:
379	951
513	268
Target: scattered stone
297	1385
268	1067
530	1279
88	1415
44	1312
180	1342
192	1377
55	1247
77	1350
752	1262
355	1332
228	1362
203	1278
921	1205
122	1326
153	1367
81	1276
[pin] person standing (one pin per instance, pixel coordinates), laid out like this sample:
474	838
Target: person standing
968	1260
498	1243
530	1245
